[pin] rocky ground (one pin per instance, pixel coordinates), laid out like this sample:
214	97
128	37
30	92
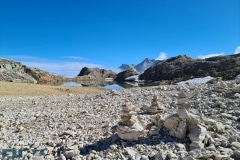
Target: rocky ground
84	126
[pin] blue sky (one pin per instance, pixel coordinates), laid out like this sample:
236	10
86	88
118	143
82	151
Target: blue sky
63	36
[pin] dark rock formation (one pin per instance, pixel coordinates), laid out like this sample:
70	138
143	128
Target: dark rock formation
182	68
130	72
95	74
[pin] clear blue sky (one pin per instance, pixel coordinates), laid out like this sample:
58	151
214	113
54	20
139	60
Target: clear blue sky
58	34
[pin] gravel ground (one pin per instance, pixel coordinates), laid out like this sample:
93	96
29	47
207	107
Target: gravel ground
84	126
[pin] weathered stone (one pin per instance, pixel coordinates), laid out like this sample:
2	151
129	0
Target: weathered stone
130	133
220	128
235	145
183	111
171	121
197	136
69	154
192	121
180	130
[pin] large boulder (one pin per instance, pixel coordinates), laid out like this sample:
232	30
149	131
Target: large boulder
128	73
95	74
182	68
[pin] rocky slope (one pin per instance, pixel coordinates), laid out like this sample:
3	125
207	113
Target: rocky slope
85	126
129	72
182	68
95	74
12	71
145	64
44	77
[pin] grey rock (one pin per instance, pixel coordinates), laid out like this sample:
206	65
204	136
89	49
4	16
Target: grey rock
235	145
201	153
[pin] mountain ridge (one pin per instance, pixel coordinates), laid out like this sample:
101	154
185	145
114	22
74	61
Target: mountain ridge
140	67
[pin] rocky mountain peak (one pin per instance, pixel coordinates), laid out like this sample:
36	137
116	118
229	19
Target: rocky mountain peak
141	67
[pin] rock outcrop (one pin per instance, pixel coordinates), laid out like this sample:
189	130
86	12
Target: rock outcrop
128	73
12	71
44	77
182	68
95	74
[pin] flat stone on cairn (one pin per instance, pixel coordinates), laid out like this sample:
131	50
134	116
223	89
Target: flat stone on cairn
129	128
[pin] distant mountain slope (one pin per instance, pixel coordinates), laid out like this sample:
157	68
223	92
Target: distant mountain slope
182	68
141	67
125	67
12	71
145	64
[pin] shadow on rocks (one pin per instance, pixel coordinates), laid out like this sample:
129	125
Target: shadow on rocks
102	145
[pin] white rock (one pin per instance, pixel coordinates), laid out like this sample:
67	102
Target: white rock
180	130
220	128
183	111
131	153
69	154
198	135
180	147
130	133
236	145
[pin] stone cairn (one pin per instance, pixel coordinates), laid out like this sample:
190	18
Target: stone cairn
155	106
185	122
183	106
129	128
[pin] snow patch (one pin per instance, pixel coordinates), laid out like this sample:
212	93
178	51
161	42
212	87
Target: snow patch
196	80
